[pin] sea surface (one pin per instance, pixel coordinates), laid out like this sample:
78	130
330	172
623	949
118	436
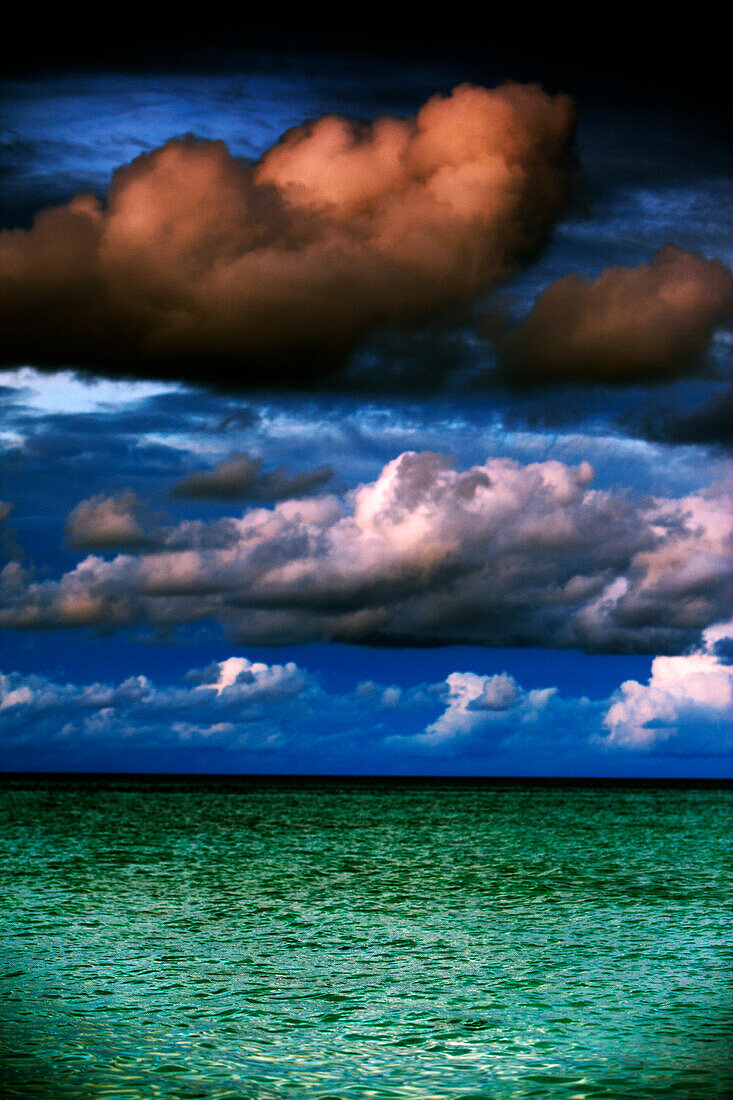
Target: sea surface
265	938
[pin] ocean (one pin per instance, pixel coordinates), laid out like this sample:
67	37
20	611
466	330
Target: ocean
254	938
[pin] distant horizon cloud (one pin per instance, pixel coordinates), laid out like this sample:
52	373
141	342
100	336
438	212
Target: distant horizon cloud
497	554
649	322
276	270
247	708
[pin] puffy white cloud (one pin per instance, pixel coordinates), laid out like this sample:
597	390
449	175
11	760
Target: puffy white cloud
499	554
238	679
482	704
278	268
688	700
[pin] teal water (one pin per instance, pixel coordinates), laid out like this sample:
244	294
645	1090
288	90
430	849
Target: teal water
262	939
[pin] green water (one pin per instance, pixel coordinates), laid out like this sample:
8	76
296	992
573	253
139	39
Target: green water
260	939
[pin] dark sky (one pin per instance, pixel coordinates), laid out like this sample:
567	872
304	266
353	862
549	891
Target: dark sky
622	51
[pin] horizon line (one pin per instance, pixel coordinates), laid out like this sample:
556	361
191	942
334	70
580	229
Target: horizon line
504	780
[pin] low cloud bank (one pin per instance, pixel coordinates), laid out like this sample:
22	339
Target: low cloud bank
246	707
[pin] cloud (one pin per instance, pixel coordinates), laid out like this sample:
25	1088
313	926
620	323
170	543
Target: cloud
482	705
239	679
240	706
10	549
107	523
709	422
199	261
687	701
240	477
246	704
631	323
497	554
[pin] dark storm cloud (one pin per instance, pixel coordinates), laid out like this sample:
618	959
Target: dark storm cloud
652	321
708	423
279	269
498	554
240	477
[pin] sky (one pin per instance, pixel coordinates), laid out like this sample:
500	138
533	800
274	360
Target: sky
364	408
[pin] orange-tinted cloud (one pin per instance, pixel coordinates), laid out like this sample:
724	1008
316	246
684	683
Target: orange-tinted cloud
283	266
650	321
